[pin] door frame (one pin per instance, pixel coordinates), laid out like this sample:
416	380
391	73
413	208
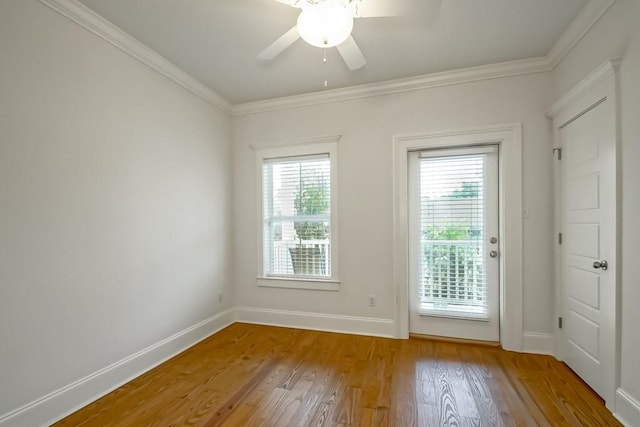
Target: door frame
599	86
509	139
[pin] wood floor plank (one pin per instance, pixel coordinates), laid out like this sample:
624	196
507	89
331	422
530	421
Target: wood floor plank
249	375
489	412
507	387
427	415
350	407
445	399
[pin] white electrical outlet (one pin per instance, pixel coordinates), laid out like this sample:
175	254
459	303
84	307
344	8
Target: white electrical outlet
372	300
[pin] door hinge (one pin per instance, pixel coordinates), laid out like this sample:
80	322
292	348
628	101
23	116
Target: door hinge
559	322
559	151
559	238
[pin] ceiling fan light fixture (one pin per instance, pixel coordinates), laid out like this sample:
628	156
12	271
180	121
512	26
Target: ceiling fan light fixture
326	23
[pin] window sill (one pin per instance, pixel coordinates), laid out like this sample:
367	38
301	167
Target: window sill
299	283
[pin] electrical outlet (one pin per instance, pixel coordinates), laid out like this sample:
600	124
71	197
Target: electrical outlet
220	298
372	300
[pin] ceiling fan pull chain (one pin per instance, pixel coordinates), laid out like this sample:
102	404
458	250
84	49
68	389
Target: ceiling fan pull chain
324	61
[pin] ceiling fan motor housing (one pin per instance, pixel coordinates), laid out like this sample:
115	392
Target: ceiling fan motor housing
326	23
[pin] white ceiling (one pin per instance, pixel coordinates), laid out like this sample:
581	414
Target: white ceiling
217	41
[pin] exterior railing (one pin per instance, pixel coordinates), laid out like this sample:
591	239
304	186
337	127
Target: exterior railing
452	270
306	258
452	273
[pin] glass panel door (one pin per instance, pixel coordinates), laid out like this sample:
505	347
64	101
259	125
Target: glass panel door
454	227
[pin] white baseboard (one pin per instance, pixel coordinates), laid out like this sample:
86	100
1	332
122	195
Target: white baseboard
317	321
66	400
538	343
627	409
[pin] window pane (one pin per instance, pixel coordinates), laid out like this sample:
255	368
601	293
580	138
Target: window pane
452	273
297	216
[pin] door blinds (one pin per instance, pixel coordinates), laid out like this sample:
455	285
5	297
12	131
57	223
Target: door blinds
452	277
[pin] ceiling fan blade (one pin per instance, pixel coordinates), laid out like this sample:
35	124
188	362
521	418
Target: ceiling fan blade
276	48
351	54
381	8
292	3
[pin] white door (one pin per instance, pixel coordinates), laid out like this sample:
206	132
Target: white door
454	243
588	215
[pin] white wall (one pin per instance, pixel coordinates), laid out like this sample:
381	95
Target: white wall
114	204
365	187
617	35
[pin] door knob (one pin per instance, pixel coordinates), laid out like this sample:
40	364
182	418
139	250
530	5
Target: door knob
604	265
493	254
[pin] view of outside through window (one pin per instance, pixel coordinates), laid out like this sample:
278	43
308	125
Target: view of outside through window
297	213
452	274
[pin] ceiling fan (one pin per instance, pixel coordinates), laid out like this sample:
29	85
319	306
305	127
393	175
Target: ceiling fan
328	23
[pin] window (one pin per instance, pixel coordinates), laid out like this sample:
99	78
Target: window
297	216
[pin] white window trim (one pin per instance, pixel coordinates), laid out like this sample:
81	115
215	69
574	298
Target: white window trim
300	147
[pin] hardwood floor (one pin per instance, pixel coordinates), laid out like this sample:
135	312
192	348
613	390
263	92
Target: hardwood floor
248	375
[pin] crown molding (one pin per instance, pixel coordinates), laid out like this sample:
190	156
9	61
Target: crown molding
597	76
93	22
98	25
446	78
586	19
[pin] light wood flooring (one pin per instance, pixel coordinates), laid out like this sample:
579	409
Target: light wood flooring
249	375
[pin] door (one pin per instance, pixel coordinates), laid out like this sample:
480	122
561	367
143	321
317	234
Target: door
454	243
588	223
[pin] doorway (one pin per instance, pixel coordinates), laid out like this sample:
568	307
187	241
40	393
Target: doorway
504	144
587	219
453	243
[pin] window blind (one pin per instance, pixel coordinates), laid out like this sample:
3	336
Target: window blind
452	275
297	216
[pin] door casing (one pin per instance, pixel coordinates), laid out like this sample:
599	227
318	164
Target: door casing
509	138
